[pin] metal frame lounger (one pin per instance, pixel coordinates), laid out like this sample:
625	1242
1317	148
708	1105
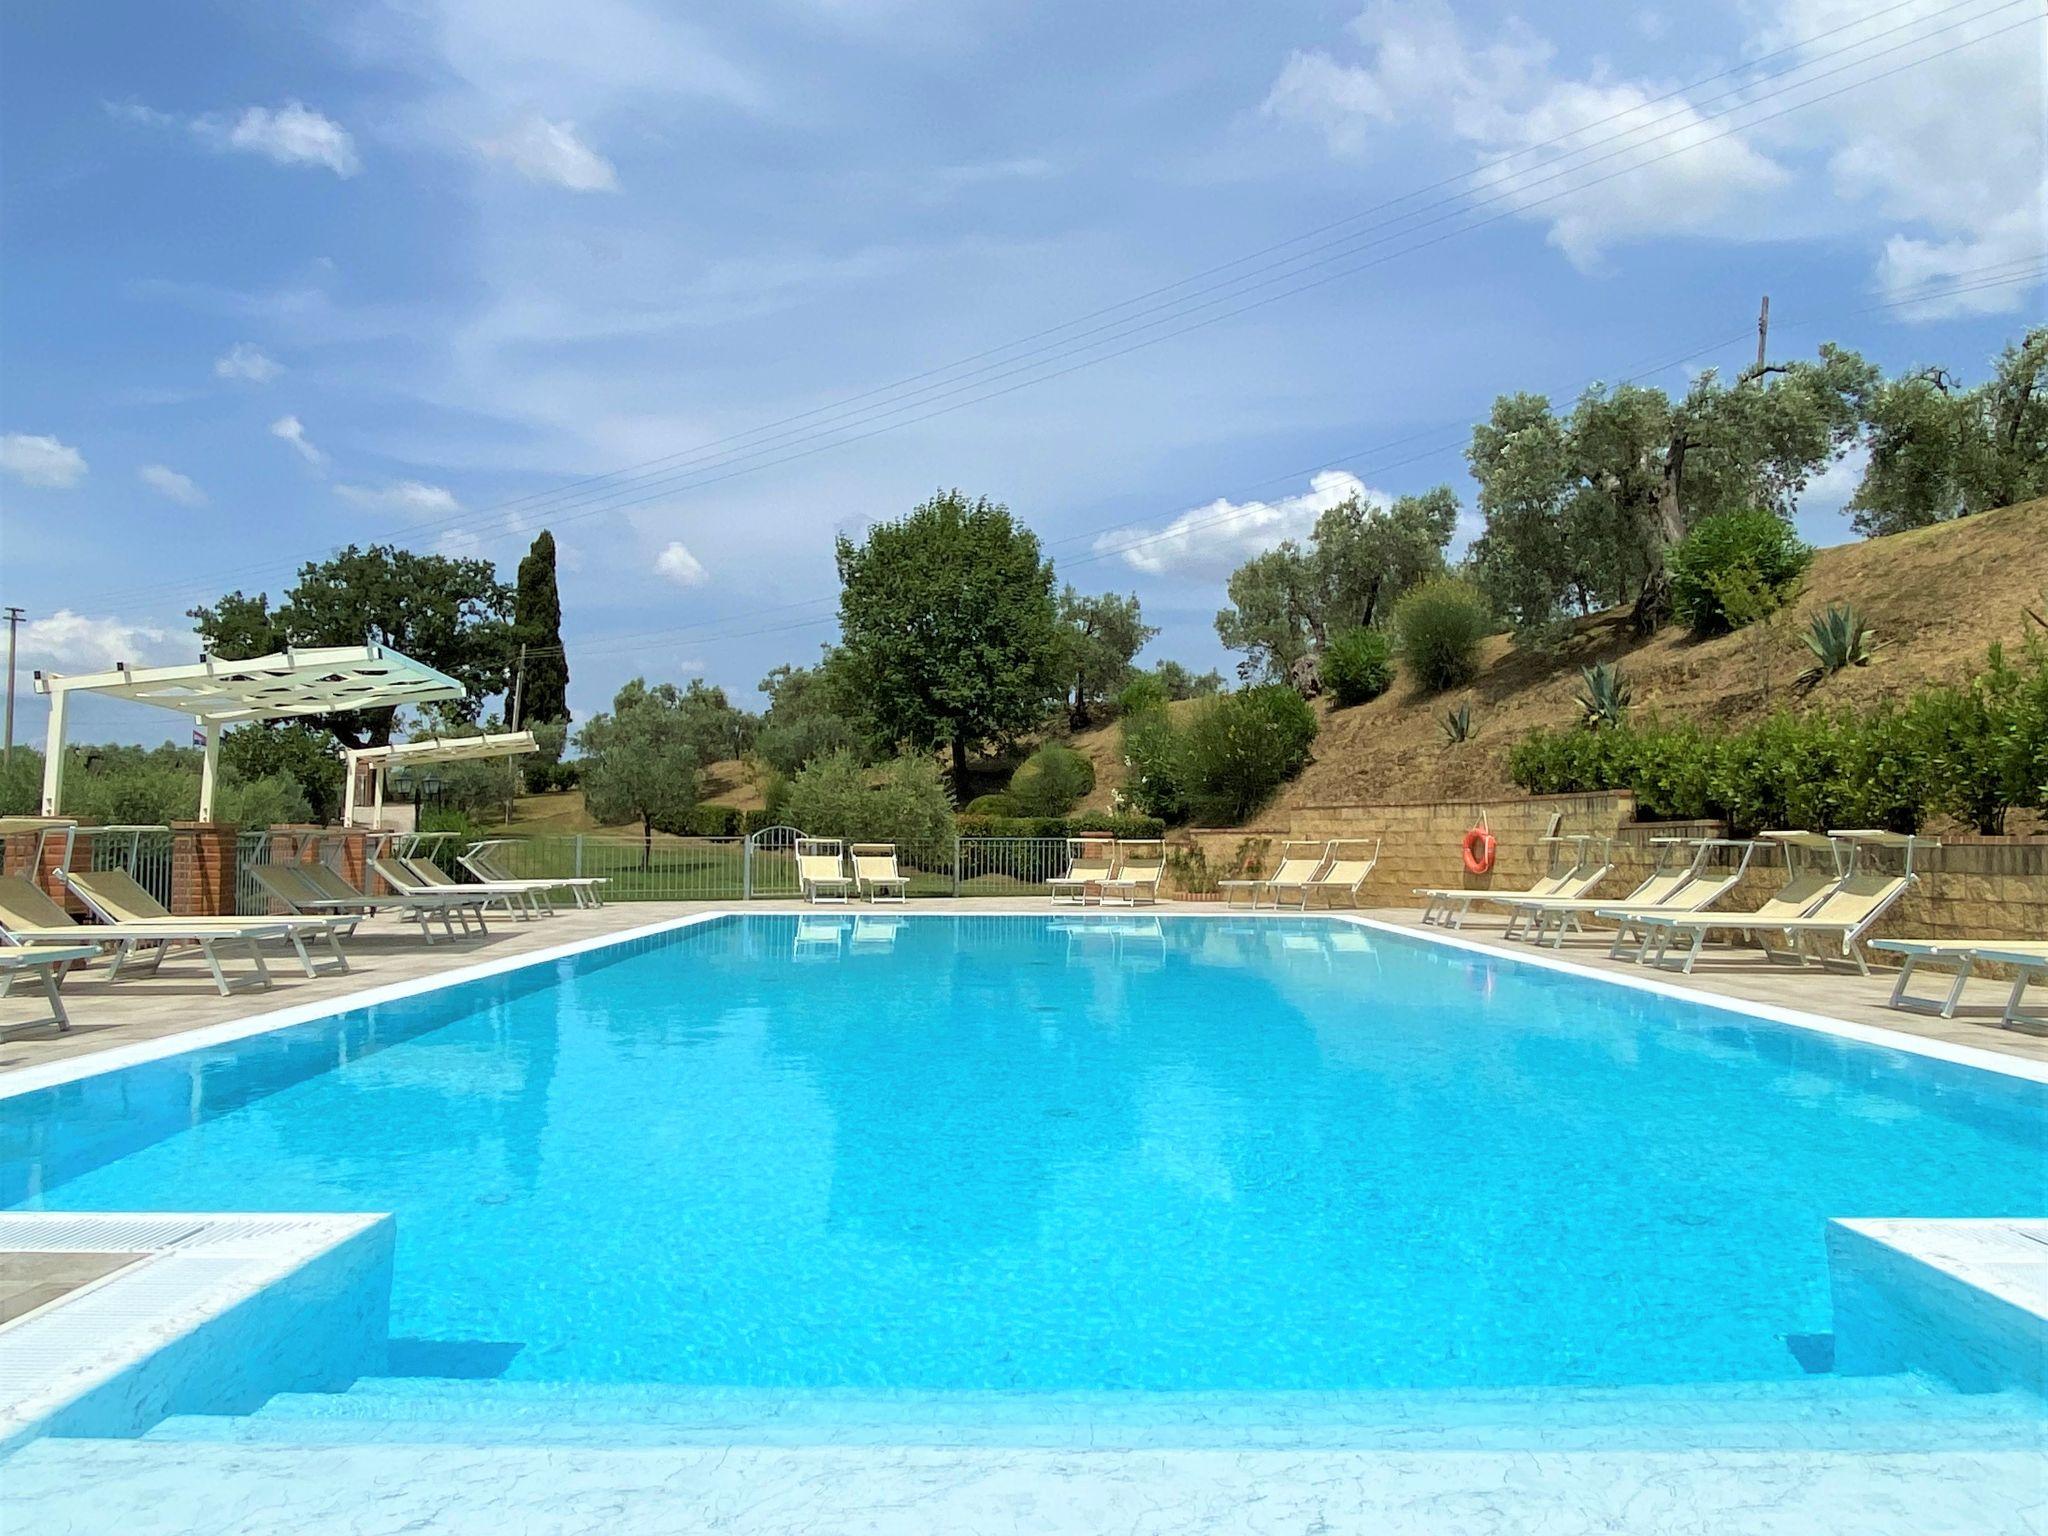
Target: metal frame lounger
1670	888
1294	872
29	917
1341	874
2028	959
115	896
1090	861
406	881
479	860
821	871
1137	873
298	888
51	963
524	899
875	873
1449	907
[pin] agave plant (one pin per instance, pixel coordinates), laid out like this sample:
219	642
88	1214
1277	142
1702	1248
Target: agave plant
1838	638
1604	695
1457	724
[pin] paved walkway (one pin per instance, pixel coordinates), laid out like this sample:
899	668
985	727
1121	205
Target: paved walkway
383	951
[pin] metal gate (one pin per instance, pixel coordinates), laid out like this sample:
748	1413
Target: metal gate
769	869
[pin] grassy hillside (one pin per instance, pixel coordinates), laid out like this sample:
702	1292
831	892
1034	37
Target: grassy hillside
1937	597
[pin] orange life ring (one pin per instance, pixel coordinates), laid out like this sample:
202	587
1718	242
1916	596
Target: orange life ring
1479	846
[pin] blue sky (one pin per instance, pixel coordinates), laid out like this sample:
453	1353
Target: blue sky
281	277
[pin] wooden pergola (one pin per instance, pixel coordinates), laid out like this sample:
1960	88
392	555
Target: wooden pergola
316	681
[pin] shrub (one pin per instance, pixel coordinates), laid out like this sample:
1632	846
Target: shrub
905	802
1050	781
1357	666
998	805
1604	695
1838	638
1242	746
1108	824
1155	765
1458	725
1437	629
1734	568
1144	692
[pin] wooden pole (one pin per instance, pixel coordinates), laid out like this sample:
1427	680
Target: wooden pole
1763	331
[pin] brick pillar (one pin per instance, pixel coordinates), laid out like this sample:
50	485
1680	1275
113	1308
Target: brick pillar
355	857
203	868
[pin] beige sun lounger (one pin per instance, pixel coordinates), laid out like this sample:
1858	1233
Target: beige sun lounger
298	889
1141	862
29	917
875	874
1672	887
1845	909
482	861
2028	959
1300	863
403	878
465	908
115	896
50	964
821	871
524	899
1451	906
1343	875
1090	861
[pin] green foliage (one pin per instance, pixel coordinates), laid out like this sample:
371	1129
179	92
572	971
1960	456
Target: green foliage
1360	558
1050	780
1357	665
1939	451
949	628
1102	823
21	783
537	624
120	785
1099	636
1188	872
904	802
544	770
812	712
640	760
999	806
1143	692
308	758
1604	695
453	614
1458	725
1241	747
1180	683
1838	638
1971	753
1155	764
1735	567
1437	629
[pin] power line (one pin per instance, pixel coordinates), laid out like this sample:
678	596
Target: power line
736	464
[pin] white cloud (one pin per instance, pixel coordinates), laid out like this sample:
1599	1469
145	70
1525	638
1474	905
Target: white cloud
291	430
413	496
292	134
681	567
551	152
71	642
1215	539
248	363
169	483
41	461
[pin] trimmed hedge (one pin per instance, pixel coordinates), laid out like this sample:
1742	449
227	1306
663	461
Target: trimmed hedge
1101	823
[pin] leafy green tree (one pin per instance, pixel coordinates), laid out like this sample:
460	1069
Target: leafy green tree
1939	451
949	627
640	761
453	614
904	803
1177	682
1100	635
811	713
1241	747
307	757
537	625
1287	602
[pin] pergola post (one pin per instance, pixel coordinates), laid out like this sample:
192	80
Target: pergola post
53	753
209	770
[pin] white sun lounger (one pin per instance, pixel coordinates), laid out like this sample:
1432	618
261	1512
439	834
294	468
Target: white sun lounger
29	917
49	964
1090	861
2028	959
875	874
1450	907
1343	875
482	861
1300	863
115	896
821	871
1140	864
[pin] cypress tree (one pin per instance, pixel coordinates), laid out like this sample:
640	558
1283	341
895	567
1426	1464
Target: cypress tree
537	624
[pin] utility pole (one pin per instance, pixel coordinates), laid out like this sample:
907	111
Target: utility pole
1763	331
518	690
13	623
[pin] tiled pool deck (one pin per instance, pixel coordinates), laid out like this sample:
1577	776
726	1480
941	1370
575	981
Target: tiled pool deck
105	1016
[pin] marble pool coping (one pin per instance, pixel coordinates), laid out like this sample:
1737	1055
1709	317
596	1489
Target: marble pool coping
31	1079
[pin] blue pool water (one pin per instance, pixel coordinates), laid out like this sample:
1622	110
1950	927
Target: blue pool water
1178	1154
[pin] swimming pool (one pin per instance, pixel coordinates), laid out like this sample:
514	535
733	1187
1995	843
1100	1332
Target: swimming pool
1046	1154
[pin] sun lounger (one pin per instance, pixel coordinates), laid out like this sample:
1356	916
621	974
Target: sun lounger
875	874
482	861
298	889
50	964
114	896
821	871
1450	907
1090	861
1342	876
464	908
1140	864
522	898
2028	959
29	917
1300	863
403	878
1845	909
1673	886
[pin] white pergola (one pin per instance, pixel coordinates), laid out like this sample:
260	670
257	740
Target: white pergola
215	693
368	766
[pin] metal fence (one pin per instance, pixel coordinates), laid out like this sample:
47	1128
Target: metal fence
145	852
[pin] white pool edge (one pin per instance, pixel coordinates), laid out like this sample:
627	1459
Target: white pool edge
72	1069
